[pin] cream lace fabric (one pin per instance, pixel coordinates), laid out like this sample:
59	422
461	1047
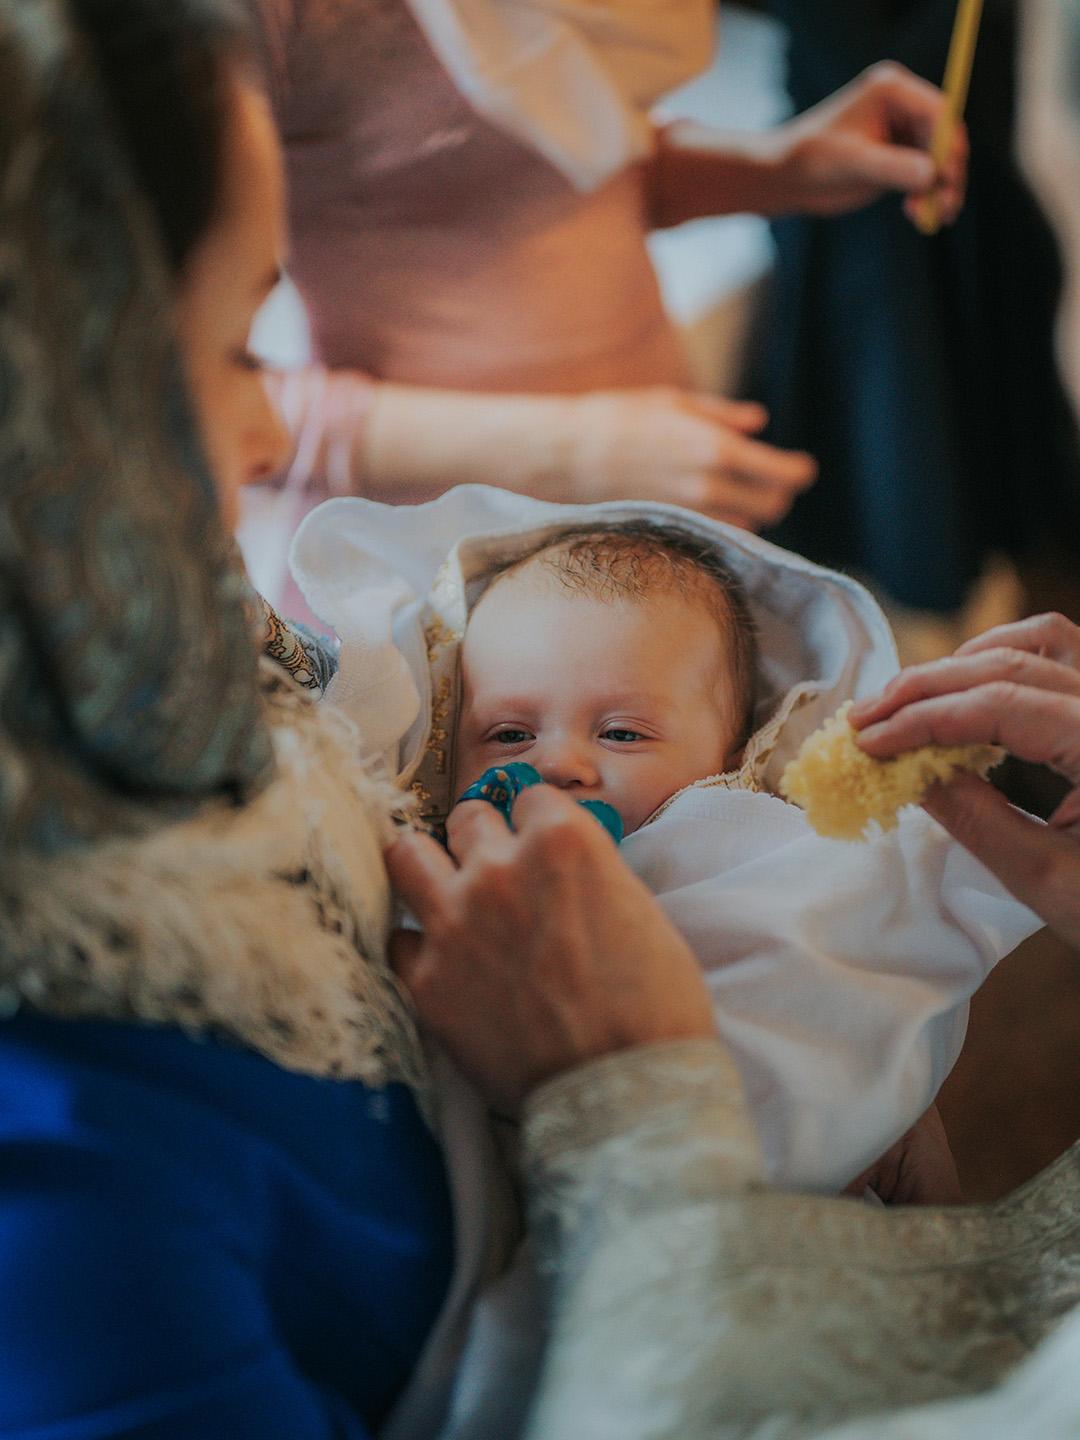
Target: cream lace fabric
690	1305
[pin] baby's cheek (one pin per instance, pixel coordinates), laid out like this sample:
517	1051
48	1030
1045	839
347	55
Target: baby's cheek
632	798
645	791
464	764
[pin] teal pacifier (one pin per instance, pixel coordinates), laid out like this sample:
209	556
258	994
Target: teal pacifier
502	784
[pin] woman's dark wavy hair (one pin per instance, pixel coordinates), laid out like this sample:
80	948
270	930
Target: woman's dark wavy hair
165	70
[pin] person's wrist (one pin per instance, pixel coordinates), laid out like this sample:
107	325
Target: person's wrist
588	442
652	1090
781	162
697	171
422	435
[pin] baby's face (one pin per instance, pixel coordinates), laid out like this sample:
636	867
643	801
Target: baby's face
615	701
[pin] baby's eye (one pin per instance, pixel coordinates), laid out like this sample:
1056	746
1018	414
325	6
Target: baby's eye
621	735
511	737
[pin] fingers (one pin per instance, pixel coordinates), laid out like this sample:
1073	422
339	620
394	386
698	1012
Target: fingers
1035	725
746	416
1049	635
543	805
1038	864
755	462
742	459
474	827
892	167
907	108
754	484
419	870
1067	814
406	952
735	502
963	671
911	103
425	877
950	181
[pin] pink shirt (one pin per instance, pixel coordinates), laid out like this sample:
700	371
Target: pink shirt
431	247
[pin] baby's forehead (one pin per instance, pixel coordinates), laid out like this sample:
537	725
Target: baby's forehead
654	592
664	617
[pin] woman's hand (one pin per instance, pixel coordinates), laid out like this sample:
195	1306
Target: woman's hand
871	137
1016	686
686	449
410	442
540	950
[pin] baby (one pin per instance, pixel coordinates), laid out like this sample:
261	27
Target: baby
619	661
671	667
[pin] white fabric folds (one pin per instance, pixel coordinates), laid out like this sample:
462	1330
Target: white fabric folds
573	79
840	971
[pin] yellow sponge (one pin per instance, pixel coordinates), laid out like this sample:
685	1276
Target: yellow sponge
842	789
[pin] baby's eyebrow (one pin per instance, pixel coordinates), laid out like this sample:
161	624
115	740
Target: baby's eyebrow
493	701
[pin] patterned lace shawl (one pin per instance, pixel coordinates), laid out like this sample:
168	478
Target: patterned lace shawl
127	675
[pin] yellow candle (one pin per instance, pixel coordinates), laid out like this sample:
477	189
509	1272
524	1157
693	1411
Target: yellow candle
955	85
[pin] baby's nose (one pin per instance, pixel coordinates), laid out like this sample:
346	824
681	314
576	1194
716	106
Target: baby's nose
567	765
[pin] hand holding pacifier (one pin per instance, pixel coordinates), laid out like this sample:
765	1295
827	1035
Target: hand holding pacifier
502	784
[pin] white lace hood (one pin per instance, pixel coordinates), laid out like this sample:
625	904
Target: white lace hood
395	583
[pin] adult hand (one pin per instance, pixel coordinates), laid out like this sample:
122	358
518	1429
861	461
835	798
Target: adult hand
1016	686
687	449
540	949
658	443
871	137
918	1170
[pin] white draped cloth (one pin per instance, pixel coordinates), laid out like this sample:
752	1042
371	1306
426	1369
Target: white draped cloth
573	79
840	972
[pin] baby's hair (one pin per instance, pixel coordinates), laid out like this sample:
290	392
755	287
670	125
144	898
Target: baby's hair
630	559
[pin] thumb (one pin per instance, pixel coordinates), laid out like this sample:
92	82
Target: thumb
1032	860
